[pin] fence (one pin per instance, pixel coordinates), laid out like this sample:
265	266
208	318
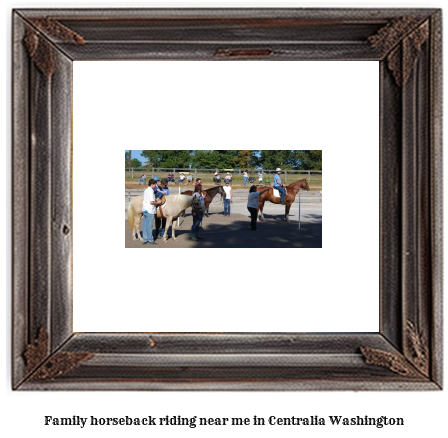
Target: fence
133	174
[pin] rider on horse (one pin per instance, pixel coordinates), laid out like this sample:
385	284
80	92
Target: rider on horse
280	186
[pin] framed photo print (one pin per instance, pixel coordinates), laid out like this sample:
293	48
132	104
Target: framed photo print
194	60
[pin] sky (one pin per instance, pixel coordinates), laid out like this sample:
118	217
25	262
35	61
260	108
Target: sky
137	154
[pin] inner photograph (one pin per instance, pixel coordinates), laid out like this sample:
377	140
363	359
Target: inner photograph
223	198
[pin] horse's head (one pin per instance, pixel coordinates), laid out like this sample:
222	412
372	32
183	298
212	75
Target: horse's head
306	186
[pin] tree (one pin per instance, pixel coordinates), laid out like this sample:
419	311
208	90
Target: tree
131	162
226	159
285	159
170	158
206	159
309	160
136	163
245	159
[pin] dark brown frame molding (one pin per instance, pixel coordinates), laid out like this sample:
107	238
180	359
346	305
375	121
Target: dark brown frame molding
406	354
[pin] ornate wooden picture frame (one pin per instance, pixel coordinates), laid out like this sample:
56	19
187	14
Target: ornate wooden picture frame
406	353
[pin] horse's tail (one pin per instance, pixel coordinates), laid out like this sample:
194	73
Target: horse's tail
131	216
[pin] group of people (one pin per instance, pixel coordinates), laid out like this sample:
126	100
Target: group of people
217	178
152	198
158	188
246	177
182	178
227	178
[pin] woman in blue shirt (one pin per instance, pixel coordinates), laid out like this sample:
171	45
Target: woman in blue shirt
252	205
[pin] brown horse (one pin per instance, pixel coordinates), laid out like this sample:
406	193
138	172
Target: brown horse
211	193
291	193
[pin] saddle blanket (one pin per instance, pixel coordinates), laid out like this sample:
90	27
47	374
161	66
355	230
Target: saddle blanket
277	193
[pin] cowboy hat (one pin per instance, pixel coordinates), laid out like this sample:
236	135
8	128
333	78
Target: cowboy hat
278	169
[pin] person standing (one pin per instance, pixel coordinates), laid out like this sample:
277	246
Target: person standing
161	222
252	205
149	211
260	177
280	186
245	176
198	210
228	199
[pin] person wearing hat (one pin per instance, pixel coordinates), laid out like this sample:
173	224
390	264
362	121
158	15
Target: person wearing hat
158	193
279	185
142	179
228	177
228	199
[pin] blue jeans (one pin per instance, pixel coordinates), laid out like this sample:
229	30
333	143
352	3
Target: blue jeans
245	180
227	206
160	226
196	222
282	193
148	220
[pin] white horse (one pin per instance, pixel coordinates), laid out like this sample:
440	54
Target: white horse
173	207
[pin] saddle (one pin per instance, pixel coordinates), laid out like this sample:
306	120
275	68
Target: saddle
277	193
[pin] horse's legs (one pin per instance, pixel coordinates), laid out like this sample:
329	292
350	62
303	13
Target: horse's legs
137	227
287	208
260	209
169	221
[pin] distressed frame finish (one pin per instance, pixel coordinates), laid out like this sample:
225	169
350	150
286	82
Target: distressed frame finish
406	354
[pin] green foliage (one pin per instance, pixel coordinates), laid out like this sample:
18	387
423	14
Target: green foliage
226	159
205	159
211	159
309	160
242	160
295	160
278	158
171	158
136	163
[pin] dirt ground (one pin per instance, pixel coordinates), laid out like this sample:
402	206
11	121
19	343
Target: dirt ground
233	232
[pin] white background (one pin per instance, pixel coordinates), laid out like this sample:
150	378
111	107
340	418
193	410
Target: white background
232	105
424	413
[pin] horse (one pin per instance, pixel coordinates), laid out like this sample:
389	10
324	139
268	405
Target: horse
291	193
211	193
172	209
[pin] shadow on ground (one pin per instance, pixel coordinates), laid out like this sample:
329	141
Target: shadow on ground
234	232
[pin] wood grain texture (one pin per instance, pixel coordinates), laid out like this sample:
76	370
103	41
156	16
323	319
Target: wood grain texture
406	354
